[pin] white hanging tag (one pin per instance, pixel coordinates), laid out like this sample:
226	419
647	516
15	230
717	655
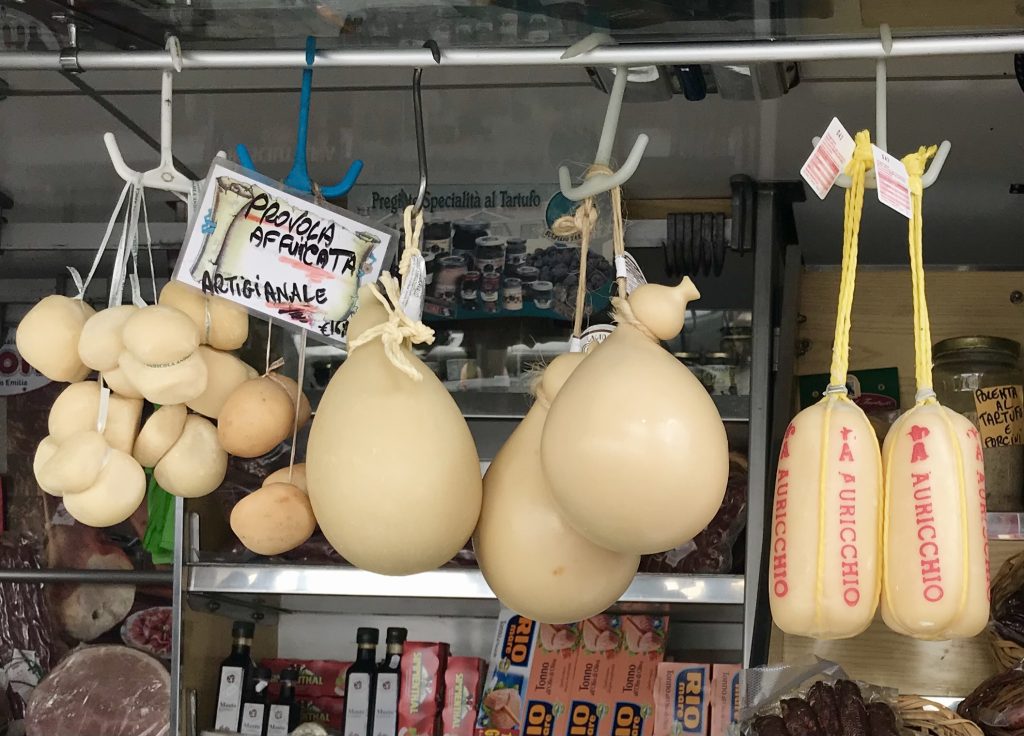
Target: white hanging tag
194	195
892	181
592	337
414	287
101	418
828	159
626	267
575	344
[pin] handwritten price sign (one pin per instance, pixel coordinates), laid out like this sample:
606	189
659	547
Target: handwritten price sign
280	254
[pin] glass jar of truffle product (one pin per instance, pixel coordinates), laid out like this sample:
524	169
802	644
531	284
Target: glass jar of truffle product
980	377
464	235
512	292
527	275
490	254
542	292
515	254
490	284
449	274
437	238
469	289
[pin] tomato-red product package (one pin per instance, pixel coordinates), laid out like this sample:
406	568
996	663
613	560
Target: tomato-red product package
422	690
463	684
318	678
328	712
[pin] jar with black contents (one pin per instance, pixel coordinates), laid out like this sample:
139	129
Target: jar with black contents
980	377
449	274
437	238
464	235
515	254
490	283
469	289
490	254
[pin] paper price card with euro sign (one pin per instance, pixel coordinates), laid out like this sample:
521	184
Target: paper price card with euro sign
279	253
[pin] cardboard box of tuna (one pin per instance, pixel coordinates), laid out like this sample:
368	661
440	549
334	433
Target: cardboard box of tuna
551	677
630	675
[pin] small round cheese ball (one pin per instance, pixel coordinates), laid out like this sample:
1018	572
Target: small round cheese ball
160	336
274	519
196	464
77	410
224	374
48	337
256	418
297	479
100	343
222	324
159	434
117	492
75	465
172	384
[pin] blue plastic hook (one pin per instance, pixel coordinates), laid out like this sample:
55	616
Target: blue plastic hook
298	177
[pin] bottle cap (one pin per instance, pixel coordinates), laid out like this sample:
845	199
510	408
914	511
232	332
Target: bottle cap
263	673
243	629
366	635
289	674
396	635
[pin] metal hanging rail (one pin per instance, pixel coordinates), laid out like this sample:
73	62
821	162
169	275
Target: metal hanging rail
627	55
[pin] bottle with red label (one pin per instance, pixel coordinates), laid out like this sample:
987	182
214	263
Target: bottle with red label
359	684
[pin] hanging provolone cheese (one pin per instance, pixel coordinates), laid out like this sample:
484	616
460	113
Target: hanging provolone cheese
159	433
255	418
222	324
534	561
160	356
392	468
48	336
224	374
114	496
196	463
119	384
274	519
633	448
936	542
75	465
77	410
100	343
823	566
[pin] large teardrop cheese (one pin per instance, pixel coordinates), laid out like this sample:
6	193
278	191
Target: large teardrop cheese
171	384
936	571
255	418
196	464
274	519
117	492
100	343
224	374
536	563
633	448
77	409
222	324
393	473
159	433
48	337
75	465
824	569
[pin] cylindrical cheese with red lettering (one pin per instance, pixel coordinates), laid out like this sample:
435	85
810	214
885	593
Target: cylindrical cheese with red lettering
823	566
936	570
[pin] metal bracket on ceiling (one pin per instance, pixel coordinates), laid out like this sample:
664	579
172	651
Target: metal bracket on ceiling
69	54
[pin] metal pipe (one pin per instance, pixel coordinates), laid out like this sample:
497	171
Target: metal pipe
88	577
628	55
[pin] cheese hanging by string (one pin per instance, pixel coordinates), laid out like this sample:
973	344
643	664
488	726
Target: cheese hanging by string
633	448
533	560
295	475
114	496
224	374
222	325
258	416
196	463
73	466
47	337
274	519
160	356
159	433
391	466
77	409
100	343
935	578
119	384
824	572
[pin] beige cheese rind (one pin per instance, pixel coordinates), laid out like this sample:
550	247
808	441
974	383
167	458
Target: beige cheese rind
936	583
839	599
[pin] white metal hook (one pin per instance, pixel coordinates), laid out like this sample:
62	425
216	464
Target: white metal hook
604	182
931	175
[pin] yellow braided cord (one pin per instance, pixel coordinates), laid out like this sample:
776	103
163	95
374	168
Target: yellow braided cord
394	331
413	233
618	236
915	163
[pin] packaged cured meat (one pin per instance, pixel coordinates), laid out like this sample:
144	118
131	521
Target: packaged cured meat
824	571
463	685
316	677
935	580
421	696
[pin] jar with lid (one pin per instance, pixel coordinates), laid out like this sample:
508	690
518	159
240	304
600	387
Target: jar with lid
515	254
449	274
437	238
980	377
490	254
469	289
464	235
512	292
718	371
490	284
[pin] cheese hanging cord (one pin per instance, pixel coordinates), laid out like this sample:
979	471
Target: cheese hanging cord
399	326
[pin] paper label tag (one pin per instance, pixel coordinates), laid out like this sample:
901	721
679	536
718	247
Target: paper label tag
828	159
277	722
1000	415
626	266
252	719
892	181
385	705
229	699
593	336
414	287
357	704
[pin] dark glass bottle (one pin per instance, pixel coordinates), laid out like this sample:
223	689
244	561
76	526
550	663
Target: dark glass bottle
235	673
283	715
359	684
254	704
385	692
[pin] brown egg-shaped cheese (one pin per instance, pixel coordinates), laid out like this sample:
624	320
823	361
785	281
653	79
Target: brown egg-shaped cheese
296	476
256	418
77	410
119	384
159	434
117	492
48	337
224	373
75	465
100	343
222	324
292	389
44	451
173	384
274	519
196	464
160	336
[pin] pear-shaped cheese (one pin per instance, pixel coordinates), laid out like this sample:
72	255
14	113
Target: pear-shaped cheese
172	384
224	374
633	448
113	497
256	418
824	568
159	433
48	337
536	563
296	476
77	410
935	580
75	465
389	453
222	324
196	464
100	343
44	451
120	385
274	519
159	336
